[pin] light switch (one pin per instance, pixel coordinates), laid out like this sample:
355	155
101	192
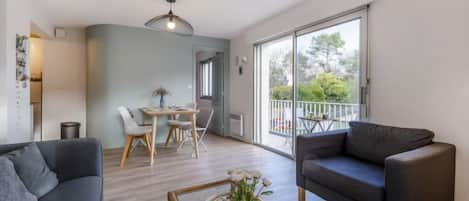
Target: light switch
189	86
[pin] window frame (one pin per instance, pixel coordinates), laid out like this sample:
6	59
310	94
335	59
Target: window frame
206	79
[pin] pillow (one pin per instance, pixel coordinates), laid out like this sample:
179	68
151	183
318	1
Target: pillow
375	143
33	170
11	187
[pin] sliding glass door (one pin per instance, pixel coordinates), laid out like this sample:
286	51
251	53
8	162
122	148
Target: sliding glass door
311	81
276	87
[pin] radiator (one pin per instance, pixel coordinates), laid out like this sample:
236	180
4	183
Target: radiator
237	125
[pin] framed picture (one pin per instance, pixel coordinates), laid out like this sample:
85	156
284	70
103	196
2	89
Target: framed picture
22	50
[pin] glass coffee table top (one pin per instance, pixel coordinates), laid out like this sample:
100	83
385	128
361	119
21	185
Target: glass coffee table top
200	192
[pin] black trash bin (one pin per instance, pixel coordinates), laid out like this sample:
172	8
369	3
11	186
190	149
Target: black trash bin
69	130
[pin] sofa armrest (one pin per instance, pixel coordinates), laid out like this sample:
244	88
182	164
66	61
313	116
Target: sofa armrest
426	174
317	146
73	158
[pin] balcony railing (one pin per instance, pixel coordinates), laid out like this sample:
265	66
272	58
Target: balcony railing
281	115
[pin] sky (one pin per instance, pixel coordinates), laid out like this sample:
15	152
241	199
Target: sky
350	32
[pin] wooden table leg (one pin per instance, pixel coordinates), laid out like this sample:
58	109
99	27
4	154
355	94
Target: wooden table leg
153	139
194	136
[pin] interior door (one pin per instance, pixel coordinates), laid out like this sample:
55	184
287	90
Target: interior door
217	93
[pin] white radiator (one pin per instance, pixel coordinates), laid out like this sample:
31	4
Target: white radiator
237	125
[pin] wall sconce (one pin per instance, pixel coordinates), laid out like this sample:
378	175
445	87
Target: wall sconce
240	64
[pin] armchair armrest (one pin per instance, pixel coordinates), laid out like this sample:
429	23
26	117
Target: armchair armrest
73	158
317	146
426	174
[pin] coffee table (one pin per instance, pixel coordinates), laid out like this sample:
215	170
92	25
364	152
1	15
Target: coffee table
200	192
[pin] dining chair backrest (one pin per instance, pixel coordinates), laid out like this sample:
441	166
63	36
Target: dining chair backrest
129	123
186	117
212	111
209	120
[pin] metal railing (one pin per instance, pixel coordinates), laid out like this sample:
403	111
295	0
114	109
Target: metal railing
281	115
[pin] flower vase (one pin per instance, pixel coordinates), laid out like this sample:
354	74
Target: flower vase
162	103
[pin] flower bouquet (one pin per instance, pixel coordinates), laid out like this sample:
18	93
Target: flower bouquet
161	92
247	186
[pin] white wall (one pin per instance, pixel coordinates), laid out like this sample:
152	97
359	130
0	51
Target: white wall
16	17
420	68
17	99
3	101
64	83
418	62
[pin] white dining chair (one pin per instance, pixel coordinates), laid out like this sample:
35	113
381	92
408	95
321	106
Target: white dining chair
133	131
201	132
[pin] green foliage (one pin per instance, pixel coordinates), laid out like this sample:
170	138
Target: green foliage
311	92
335	88
244	191
282	93
327	87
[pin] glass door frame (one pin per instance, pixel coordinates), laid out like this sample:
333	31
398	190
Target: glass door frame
355	14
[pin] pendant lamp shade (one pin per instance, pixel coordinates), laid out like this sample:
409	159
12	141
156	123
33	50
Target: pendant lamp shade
171	23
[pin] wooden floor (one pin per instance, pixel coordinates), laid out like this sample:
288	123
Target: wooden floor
137	181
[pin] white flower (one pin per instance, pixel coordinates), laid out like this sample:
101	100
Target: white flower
236	177
266	182
255	174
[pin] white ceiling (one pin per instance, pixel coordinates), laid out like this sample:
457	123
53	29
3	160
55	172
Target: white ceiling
215	18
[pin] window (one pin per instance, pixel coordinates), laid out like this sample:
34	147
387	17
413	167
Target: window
206	78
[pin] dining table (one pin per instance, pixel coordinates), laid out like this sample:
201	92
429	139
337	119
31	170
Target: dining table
155	112
317	121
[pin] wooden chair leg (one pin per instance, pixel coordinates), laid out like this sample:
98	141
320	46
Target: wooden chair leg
170	133
129	150
301	194
125	152
147	139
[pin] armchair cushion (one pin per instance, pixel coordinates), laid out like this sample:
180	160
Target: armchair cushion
374	142
347	176
317	146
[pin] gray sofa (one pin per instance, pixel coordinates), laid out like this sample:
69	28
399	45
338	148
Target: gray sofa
78	165
371	162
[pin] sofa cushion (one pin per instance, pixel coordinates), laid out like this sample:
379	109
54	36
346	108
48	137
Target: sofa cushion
375	143
33	170
11	186
347	176
81	189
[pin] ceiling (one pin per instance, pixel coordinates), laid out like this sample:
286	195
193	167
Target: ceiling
215	18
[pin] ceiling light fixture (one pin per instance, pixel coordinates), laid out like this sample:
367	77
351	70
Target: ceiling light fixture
171	23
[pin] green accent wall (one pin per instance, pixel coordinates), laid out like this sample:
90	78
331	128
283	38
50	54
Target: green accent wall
126	64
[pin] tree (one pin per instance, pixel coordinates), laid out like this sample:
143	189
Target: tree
311	92
304	69
335	88
325	50
277	77
282	93
351	64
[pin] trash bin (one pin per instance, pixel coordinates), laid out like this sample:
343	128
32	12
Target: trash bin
69	130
